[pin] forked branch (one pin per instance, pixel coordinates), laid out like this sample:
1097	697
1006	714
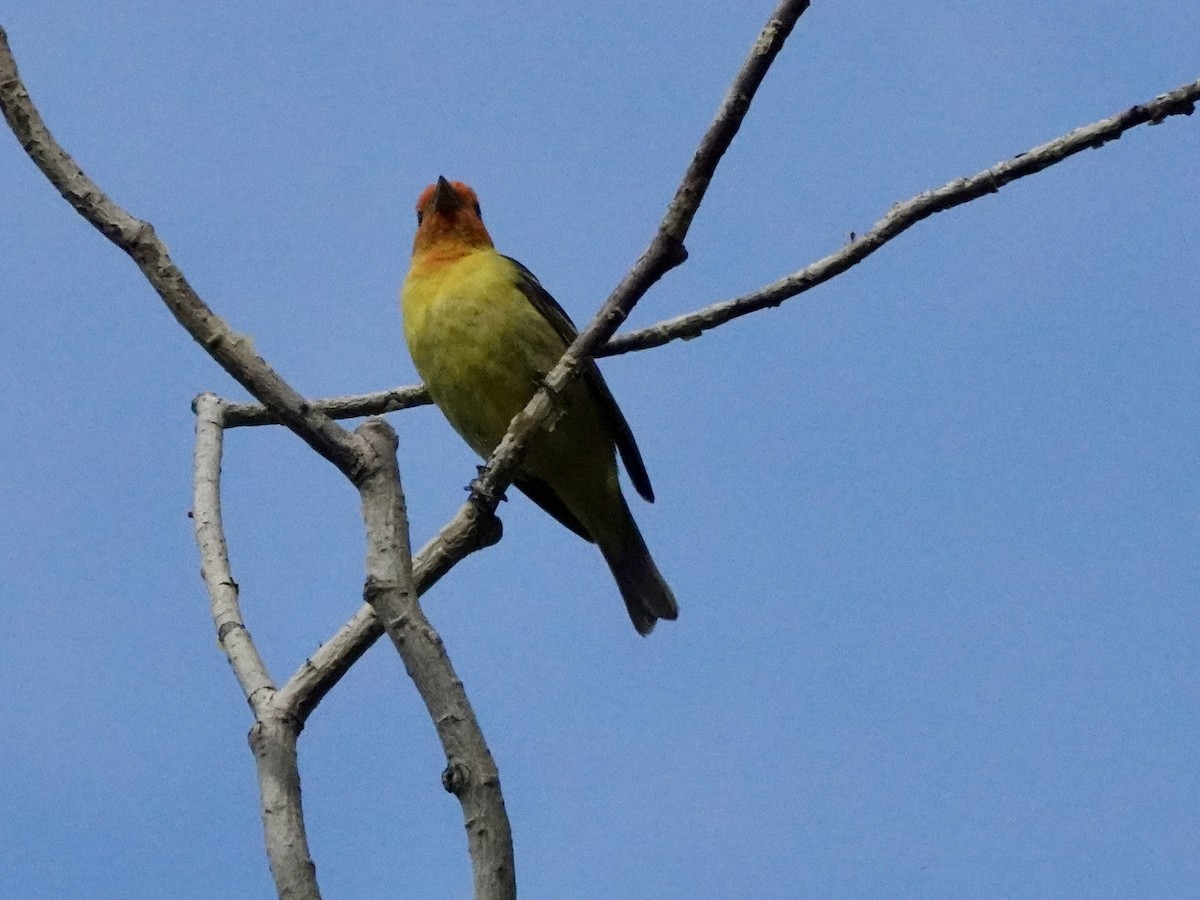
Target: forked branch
276	729
903	216
279	716
666	250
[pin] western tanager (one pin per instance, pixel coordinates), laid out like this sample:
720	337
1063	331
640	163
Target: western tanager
482	332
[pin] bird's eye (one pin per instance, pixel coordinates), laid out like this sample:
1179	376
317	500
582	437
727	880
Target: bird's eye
478	211
420	216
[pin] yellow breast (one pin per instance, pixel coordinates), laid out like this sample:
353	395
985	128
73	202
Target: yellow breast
477	342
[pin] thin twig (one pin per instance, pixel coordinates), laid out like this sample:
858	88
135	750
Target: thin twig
391	590
903	216
665	251
233	351
273	736
728	119
374	404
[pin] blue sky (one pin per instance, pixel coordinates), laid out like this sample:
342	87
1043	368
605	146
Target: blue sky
932	527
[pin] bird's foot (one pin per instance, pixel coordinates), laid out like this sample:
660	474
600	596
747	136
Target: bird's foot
484	495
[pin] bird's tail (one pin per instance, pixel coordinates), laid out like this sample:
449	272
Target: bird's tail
645	592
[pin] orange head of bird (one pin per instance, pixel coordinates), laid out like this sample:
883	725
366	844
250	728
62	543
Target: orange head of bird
448	219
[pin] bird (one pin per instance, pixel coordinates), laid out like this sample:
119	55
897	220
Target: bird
483	333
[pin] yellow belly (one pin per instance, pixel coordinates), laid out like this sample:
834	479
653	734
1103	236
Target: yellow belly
481	347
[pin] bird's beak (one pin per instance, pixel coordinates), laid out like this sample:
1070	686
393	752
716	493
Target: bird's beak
445	198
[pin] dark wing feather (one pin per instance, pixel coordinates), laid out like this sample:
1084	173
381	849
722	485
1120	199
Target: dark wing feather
543	495
614	418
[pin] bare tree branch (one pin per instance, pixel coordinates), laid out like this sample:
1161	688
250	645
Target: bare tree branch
232	635
903	216
899	219
391	590
273	740
666	250
727	121
320	672
233	351
280	715
374	404
273	736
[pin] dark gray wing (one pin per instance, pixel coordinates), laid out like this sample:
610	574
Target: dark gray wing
543	495
607	404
